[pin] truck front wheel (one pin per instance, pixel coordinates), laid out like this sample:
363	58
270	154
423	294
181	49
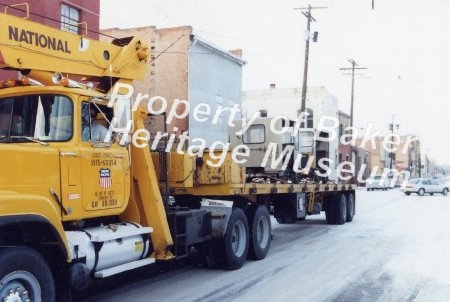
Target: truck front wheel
25	276
236	240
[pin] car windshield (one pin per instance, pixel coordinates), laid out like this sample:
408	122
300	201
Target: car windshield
414	181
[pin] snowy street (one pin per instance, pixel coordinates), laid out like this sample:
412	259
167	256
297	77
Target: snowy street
396	249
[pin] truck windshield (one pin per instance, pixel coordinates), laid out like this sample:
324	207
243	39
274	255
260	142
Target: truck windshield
39	117
255	134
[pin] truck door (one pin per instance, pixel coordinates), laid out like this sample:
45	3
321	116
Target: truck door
53	120
104	165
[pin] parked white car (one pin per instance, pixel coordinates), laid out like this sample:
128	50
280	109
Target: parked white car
425	185
377	183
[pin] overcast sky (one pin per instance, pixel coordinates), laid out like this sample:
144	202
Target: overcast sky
405	44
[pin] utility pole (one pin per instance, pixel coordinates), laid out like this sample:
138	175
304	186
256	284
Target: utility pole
392	154
353	68
306	11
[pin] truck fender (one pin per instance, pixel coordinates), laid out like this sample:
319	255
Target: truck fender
17	208
220	215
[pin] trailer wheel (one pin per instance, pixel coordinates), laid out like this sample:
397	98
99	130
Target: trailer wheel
341	210
350	207
25	276
330	212
236	240
260	233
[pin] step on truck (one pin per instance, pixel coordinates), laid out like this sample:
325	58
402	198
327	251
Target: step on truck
73	208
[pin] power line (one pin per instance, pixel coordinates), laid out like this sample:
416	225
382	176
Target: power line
238	39
167	48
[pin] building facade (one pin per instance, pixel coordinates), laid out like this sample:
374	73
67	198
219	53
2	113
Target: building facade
345	151
406	157
186	67
359	157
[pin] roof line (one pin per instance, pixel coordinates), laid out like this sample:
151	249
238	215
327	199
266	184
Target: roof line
206	44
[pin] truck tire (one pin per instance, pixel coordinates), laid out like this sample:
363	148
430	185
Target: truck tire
236	240
25	273
330	212
341	209
260	233
350	207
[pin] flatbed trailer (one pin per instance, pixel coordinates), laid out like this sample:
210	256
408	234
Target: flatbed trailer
227	189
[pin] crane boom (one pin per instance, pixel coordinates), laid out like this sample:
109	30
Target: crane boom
29	45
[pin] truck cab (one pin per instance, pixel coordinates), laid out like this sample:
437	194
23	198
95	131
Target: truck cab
273	146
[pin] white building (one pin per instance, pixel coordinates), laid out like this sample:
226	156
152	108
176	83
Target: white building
287	101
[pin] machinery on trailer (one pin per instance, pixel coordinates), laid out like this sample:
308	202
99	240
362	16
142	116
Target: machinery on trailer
74	207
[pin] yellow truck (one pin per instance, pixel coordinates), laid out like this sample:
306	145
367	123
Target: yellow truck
73	207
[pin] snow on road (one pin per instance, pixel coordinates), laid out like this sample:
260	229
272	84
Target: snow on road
396	249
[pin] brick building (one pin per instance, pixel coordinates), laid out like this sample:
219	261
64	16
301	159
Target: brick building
345	151
183	66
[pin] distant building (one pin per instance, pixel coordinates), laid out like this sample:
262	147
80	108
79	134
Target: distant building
345	151
359	157
186	67
428	167
287	101
403	159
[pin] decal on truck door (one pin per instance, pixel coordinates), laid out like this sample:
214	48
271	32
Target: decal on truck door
105	178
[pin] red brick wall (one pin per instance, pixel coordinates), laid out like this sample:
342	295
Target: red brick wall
168	74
